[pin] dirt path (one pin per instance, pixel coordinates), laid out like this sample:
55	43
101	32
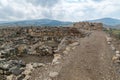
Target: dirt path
91	60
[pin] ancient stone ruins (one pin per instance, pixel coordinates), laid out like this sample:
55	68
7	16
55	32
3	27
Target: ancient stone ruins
23	49
89	26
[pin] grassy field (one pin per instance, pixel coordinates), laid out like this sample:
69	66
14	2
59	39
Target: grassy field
114	33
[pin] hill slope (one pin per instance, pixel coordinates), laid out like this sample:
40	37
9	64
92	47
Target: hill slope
108	22
38	22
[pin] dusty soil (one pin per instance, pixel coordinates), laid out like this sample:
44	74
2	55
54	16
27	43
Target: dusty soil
35	58
91	60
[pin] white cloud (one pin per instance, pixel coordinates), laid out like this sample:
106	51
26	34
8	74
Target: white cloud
66	10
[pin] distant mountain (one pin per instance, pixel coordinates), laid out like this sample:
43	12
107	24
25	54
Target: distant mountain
3	22
38	22
109	22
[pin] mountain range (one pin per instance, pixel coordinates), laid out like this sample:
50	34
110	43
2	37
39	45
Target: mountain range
108	22
37	22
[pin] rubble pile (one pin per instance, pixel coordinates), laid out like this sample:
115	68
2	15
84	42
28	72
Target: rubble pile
33	40
89	26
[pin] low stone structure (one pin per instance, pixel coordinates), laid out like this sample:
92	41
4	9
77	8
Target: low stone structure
89	26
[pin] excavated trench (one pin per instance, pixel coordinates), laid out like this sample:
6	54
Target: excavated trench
45	56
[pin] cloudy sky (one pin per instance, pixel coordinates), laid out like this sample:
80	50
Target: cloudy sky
65	10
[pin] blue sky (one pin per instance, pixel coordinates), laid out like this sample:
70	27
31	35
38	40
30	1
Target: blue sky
65	10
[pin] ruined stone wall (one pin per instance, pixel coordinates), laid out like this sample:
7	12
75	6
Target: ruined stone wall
89	26
33	38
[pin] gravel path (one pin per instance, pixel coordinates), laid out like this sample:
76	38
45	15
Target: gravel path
91	60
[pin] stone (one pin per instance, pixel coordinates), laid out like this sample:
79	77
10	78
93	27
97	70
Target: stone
10	77
6	66
73	48
58	56
27	72
114	58
53	74
29	66
117	61
113	48
47	79
22	63
68	48
41	65
65	52
36	65
74	44
21	77
109	39
117	52
27	77
109	43
55	62
56	59
15	70
12	62
2	59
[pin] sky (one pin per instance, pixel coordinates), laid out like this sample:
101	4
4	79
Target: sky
64	10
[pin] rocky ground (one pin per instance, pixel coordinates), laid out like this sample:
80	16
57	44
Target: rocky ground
88	59
82	55
22	55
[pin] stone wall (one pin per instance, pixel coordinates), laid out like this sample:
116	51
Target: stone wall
36	40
